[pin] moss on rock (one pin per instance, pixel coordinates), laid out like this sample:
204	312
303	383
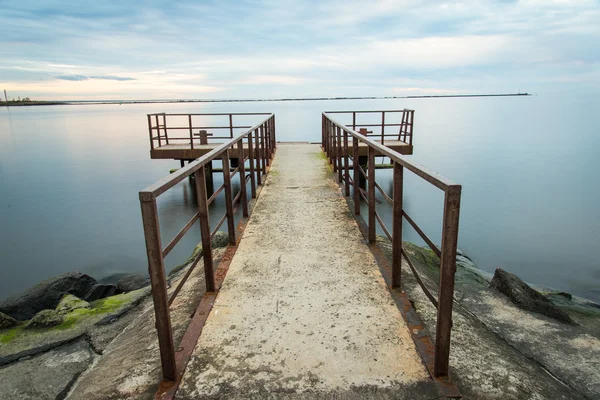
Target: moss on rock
69	303
45	319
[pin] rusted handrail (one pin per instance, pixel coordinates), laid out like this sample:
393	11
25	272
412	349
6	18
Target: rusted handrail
158	128
259	156
338	152
403	133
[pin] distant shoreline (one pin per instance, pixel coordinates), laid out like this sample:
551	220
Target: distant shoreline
86	102
31	103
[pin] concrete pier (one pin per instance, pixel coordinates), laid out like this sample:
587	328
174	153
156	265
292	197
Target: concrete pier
304	311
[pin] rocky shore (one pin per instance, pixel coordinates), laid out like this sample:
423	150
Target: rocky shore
510	340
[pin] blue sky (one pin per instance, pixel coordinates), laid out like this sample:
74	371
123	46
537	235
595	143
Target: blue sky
260	49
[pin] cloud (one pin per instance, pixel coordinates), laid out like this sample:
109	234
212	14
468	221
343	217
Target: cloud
310	48
113	78
73	77
85	78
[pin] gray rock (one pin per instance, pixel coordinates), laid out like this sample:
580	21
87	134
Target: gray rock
221	239
132	282
101	291
6	321
69	303
48	376
526	298
46	295
45	319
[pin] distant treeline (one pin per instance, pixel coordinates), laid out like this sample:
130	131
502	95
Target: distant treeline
27	102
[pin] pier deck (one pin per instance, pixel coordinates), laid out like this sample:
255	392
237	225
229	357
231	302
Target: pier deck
304	308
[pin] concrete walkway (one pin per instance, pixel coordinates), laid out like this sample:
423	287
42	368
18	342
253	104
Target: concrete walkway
304	311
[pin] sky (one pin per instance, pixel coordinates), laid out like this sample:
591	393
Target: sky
91	50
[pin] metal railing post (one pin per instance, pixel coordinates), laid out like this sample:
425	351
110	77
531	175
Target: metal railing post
158	130
228	197
323	145
165	128
156	270
382	127
334	150
397	226
242	173
267	134
338	135
257	158
263	150
150	132
191	133
274	132
371	194
251	162
447	271
209	274
356	177
346	166
230	126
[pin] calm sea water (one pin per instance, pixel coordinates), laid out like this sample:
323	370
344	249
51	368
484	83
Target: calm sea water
70	176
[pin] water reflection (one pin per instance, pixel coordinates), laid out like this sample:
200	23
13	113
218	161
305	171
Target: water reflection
70	176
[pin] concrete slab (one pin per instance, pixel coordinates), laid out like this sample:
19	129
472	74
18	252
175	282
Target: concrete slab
304	311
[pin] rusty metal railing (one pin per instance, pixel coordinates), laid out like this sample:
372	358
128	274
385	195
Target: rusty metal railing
335	141
159	127
402	123
259	143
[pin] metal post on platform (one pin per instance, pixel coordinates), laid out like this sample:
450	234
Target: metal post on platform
446	287
356	177
242	173
158	284
257	158
338	134
274	132
397	226
371	195
202	199
263	150
228	197
346	166
251	162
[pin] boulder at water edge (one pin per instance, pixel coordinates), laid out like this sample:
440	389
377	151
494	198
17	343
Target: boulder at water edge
46	295
101	291
525	297
132	282
6	321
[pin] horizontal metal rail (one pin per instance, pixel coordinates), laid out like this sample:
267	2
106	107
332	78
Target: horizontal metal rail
159	125
260	142
406	124
341	143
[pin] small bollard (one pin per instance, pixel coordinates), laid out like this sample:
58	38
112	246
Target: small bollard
204	136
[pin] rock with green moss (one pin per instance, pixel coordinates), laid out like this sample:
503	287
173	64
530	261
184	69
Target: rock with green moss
6	321
45	319
221	239
69	303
